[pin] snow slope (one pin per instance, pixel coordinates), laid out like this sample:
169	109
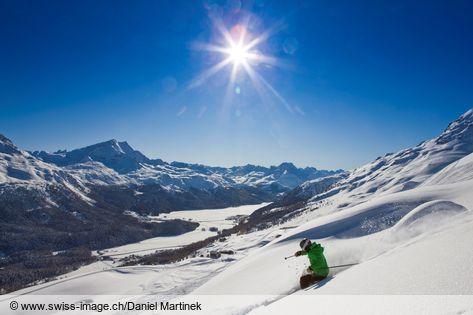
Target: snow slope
19	169
455	172
406	219
361	233
407	168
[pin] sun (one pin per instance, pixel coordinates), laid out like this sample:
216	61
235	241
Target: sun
244	52
238	54
239	49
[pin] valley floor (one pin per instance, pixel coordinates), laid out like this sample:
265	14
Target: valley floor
105	277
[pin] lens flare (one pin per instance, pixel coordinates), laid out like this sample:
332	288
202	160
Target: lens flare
240	50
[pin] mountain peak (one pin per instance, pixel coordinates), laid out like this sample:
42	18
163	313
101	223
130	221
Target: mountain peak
112	145
287	166
460	130
5	140
114	154
6	145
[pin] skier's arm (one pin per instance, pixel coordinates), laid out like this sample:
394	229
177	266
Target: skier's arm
301	252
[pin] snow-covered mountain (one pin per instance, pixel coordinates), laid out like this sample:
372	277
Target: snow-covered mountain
280	178
114	162
401	171
40	201
118	156
29	181
112	170
411	167
429	163
17	166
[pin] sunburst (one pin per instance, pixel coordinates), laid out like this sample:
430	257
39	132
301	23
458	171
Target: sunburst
240	51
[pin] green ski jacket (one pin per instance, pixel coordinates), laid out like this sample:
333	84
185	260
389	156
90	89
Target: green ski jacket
317	260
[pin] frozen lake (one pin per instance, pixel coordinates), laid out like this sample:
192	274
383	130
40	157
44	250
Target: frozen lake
207	218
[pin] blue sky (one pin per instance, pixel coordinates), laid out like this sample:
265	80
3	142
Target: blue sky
358	78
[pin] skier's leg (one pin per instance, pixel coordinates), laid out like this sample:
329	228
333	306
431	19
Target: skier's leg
308	280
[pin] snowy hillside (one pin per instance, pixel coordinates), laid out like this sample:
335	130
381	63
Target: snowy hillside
428	163
367	233
408	168
19	166
21	169
405	218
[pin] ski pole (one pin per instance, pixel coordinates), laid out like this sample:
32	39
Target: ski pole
285	258
346	265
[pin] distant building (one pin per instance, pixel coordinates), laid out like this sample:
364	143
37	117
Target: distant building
214	254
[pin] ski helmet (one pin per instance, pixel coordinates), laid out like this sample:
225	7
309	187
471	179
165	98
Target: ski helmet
305	243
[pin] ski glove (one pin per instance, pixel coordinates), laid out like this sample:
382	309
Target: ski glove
298	253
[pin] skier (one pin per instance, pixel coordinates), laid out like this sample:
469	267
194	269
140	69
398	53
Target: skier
318	269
